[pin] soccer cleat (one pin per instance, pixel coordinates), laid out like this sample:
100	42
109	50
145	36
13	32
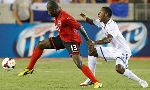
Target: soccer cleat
143	83
86	83
25	72
98	85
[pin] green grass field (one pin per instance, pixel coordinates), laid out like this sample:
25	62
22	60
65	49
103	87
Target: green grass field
62	74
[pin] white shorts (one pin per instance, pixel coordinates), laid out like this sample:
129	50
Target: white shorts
109	54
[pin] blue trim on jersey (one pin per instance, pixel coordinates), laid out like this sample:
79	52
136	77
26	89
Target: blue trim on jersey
103	54
123	61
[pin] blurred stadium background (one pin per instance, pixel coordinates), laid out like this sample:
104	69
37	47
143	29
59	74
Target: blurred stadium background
18	41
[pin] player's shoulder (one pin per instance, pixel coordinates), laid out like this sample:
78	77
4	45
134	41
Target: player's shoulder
112	23
66	14
97	22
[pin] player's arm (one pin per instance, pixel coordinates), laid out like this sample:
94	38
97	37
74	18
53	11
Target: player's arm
87	19
105	40
15	14
31	13
83	32
74	24
90	43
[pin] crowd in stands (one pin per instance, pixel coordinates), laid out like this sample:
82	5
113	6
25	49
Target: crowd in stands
71	1
22	12
7	1
84	1
90	1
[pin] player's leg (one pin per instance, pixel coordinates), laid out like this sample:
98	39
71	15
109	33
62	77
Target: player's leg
35	56
92	65
86	71
121	68
100	51
92	54
45	44
74	51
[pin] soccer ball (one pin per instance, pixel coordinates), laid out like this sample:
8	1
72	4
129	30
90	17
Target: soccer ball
8	63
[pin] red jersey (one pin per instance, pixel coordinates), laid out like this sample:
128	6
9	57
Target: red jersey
67	27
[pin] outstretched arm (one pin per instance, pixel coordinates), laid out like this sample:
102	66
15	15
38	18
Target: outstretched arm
105	40
83	32
87	19
91	48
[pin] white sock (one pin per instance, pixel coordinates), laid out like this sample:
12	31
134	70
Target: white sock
129	74
92	65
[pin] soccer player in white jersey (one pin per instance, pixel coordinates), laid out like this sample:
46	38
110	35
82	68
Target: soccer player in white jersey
118	49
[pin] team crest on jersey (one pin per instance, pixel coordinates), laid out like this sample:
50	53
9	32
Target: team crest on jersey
59	23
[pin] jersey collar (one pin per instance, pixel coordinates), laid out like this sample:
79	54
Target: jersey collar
60	13
110	20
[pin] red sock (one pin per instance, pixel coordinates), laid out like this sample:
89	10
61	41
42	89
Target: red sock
87	72
35	56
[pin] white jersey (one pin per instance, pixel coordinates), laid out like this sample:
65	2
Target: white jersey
118	41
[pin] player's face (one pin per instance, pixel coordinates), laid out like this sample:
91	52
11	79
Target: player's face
102	15
52	12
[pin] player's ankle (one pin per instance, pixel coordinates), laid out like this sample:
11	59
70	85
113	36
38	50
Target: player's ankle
29	68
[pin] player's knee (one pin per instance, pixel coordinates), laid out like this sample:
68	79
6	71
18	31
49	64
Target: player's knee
45	44
79	66
120	69
40	44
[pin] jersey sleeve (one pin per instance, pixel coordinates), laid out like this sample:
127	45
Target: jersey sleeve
97	22
72	22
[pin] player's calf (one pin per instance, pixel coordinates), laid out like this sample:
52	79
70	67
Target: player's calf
77	61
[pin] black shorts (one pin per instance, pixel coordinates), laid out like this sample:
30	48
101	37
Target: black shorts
72	47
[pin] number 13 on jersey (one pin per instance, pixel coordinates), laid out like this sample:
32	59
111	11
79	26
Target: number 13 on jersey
74	48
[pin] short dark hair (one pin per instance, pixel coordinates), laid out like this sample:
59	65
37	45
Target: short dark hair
108	10
53	4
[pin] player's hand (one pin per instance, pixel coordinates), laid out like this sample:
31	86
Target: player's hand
89	41
19	22
90	44
91	48
83	15
92	51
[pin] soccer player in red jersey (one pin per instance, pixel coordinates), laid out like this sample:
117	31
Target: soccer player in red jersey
68	38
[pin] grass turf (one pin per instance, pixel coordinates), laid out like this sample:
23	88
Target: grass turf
62	74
